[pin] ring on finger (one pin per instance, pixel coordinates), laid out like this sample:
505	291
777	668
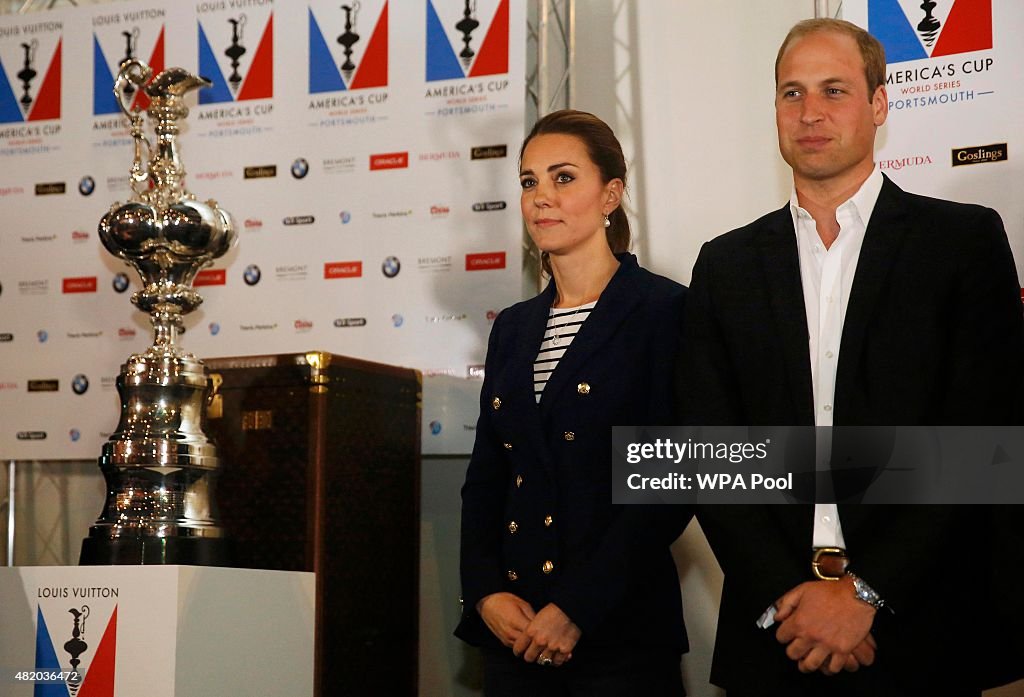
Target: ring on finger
544	660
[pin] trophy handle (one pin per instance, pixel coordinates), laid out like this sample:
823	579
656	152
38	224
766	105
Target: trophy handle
137	73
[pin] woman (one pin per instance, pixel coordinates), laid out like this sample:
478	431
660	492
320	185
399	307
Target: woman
550	568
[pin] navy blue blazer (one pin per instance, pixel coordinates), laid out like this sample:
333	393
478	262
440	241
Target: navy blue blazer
932	336
537	517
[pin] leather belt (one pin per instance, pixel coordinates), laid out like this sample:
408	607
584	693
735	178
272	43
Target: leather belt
829	563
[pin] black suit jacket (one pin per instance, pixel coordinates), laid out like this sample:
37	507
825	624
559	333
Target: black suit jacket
932	336
612	573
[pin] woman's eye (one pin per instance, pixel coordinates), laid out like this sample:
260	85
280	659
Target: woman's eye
564	178
527	183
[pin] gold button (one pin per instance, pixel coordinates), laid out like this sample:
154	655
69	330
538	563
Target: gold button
583	388
569	435
519	480
548	567
513	526
548	520
496	403
512	575
508	446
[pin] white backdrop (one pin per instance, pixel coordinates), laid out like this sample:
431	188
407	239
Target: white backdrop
375	202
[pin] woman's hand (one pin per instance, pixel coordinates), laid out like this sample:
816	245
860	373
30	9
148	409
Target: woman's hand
506	615
551	635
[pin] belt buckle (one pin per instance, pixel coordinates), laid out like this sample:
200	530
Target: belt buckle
829	563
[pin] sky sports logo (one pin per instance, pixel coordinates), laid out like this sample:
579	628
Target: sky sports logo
485	261
389	160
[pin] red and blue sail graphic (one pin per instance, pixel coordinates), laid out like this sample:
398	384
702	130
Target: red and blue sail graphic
491	59
968	27
98	679
103	100
258	82
46	103
325	74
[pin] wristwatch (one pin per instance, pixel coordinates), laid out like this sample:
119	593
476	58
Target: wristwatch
865	592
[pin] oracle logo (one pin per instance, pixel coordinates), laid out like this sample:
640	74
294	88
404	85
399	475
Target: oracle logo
211	277
343	269
485	261
389	160
82	284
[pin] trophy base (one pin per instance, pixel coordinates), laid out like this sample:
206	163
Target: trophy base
189	551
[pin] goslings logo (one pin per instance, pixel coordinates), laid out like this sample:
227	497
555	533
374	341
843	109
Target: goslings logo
455	49
116	38
50	188
45	385
30	74
914	30
260	172
488	152
249	69
353	53
980	154
88	657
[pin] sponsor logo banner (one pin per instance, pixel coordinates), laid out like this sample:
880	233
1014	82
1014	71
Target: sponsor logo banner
485	261
82	284
980	154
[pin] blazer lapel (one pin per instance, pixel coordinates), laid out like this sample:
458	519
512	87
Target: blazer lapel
616	302
882	239
527	344
781	266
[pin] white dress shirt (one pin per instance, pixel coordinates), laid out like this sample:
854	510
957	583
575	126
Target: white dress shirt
827	279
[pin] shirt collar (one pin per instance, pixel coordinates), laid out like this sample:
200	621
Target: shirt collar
863	201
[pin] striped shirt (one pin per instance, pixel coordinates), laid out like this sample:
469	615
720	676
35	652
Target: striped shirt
563	325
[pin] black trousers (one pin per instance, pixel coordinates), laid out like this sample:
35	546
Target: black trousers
592	672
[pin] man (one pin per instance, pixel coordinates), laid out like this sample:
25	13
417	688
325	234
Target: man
854	304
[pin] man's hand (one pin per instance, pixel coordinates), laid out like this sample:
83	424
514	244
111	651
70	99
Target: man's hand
826	627
506	615
551	633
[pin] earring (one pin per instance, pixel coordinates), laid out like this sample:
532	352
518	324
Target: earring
607	222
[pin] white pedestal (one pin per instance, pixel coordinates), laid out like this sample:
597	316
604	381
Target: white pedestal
159	631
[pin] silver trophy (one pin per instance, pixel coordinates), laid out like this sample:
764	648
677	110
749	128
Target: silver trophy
159	465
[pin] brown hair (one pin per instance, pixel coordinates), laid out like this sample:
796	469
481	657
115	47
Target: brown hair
604	151
871	49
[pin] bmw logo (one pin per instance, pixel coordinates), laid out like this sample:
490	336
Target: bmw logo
435	427
346	217
252	275
397	320
79	384
42	336
214	328
300	168
120	282
75	435
391	267
86	185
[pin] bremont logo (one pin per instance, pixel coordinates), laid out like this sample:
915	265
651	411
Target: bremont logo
47	188
980	154
488	152
260	172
